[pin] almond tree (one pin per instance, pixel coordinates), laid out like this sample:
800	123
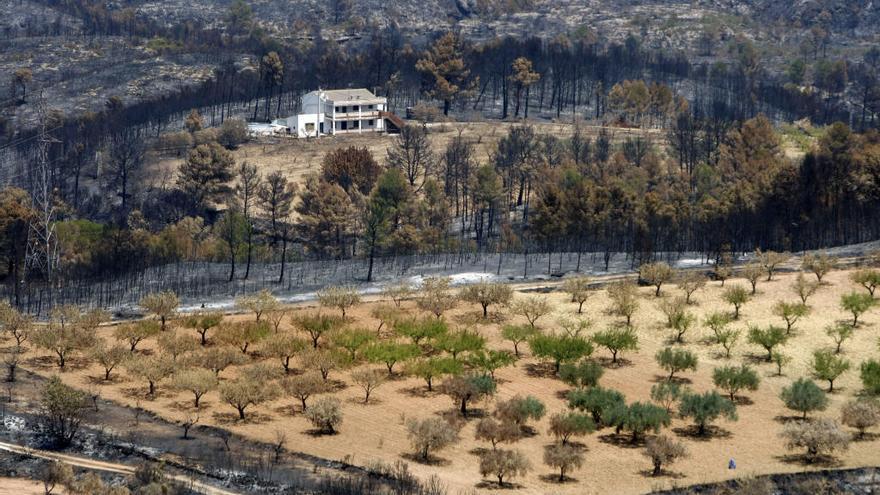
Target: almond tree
197	381
430	434
109	357
563	458
261	303
304	386
153	369
162	304
341	298
134	333
579	290
531	308
664	450
486	294
202	323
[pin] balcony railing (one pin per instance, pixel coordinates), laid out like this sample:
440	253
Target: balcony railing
369	114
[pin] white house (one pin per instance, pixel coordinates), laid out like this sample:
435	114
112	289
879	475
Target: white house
341	111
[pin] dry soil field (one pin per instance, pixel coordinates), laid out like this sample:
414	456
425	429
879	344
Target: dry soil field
377	432
299	157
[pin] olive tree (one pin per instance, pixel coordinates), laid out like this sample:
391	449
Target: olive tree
466	389
519	410
690	282
869	372
624	300
369	380
641	417
819	437
564	426
197	381
436	296
430	434
828	366
733	379
770	261
153	369
861	414
503	464
261	303
664	450
857	304
325	414
496	432
283	346
486	294
839	333
869	279
820	264
517	334
62	409
804	288
706	408
737	296
202	323
667	394
676	360
768	338
531	308
560	348
804	396
790	313
252	387
109	357
598	402
162	305
342	298
304	386
563	458
584	374
579	289
617	340
656	274
218	358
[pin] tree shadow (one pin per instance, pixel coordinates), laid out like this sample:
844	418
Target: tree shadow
676	379
540	370
554	479
319	432
756	359
787	419
649	473
251	418
142	392
622	440
493	485
430	461
865	437
713	432
607	363
359	401
804	460
742	400
100	381
420	392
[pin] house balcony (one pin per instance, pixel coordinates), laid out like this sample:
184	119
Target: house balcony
371	114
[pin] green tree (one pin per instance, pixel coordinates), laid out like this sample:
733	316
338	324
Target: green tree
624	300
488	361
339	297
444	64
706	408
839	333
353	340
231	229
431	368
768	338
585	374
205	175
579	288
666	394
419	331
869	279
202	323
737	296
460	342
732	379
466	389
63	409
617	340
641	417
161	304
560	348
564	458
596	401
517	334
804	396
826	365
676	360
656	274
135	333
565	425
791	313
390	353
486	294
869	372
857	304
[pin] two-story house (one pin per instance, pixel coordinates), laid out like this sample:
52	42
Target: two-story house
340	111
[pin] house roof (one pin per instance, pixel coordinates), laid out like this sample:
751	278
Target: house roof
358	94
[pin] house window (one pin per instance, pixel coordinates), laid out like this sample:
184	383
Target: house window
310	127
370	123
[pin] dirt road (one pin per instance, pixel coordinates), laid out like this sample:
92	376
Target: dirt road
86	463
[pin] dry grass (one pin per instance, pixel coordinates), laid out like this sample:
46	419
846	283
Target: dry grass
19	486
376	431
296	158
